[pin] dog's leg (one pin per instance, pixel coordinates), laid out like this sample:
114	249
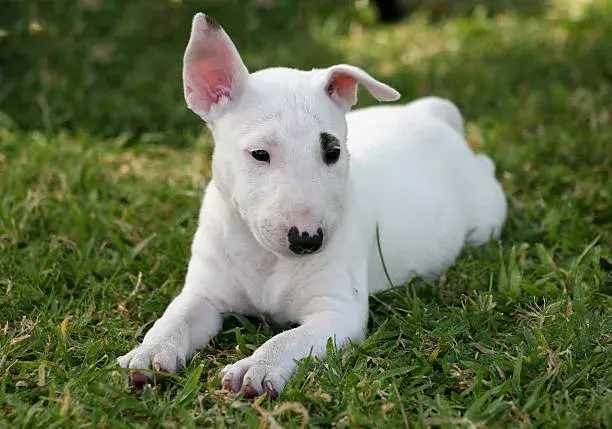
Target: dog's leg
188	324
329	300
271	365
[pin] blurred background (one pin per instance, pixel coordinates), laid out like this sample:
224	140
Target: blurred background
112	67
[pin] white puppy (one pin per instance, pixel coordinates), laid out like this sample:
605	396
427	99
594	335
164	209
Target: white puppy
288	224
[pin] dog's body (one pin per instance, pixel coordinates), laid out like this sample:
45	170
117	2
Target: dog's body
288	225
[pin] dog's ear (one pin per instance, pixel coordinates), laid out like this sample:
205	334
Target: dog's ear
342	81
213	72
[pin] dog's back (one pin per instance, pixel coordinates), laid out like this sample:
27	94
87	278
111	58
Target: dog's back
428	192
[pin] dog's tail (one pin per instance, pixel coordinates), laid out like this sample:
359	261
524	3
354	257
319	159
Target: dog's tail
443	109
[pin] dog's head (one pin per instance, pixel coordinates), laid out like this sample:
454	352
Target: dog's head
280	138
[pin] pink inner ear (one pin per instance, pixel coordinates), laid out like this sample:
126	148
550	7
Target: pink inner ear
213	82
208	80
344	85
343	80
212	68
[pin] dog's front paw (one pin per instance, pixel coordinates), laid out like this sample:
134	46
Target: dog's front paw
159	357
252	378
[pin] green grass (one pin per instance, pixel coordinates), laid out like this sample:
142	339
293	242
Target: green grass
101	173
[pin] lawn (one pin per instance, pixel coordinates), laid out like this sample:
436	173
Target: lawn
102	168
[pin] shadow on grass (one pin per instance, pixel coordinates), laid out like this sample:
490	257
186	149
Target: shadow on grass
112	67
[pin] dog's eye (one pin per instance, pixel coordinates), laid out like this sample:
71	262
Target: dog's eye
261	155
331	155
330	148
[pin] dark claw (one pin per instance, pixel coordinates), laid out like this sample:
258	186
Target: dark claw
138	379
159	378
270	390
227	384
250	392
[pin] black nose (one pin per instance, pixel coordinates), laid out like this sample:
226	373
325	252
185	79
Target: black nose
303	244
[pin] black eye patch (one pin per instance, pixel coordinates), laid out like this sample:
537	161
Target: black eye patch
330	148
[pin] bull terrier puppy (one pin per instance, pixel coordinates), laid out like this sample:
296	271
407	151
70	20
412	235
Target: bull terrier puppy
304	199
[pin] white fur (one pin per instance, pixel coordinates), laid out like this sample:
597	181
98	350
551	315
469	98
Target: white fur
405	168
